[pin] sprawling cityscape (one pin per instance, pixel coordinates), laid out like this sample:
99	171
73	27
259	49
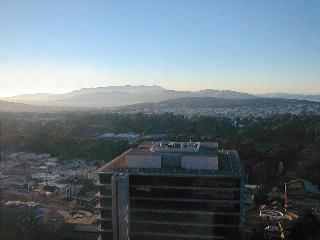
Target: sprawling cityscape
148	184
159	120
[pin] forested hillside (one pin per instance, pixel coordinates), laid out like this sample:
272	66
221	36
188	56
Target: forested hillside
262	143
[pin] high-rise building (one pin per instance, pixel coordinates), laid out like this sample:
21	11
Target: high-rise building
171	191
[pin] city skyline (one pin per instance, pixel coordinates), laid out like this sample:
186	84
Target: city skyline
253	47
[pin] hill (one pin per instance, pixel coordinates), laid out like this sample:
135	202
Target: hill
115	96
17	107
6	106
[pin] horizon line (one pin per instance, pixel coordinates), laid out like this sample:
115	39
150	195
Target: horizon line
155	85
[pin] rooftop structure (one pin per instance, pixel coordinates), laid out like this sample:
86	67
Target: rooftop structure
171	190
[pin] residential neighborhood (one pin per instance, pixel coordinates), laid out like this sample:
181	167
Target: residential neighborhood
49	190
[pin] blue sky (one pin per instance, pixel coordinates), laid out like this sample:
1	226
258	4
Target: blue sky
253	46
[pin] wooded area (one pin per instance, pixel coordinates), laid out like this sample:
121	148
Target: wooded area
262	142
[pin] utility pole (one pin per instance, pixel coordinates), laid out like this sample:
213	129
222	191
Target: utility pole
286	203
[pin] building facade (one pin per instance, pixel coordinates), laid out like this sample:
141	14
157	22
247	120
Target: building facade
171	190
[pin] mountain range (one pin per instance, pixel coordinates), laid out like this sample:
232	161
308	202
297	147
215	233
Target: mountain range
115	96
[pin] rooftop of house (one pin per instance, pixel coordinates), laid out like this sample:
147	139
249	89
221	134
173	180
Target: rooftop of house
198	158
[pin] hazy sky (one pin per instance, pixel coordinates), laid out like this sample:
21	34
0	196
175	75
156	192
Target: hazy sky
253	46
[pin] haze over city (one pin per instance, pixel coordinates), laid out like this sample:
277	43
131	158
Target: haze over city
247	46
160	120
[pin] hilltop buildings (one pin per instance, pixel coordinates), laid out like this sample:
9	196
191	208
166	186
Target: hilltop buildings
171	190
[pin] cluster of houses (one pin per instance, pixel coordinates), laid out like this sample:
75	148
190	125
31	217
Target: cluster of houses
231	112
30	176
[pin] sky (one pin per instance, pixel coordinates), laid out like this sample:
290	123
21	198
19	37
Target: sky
261	46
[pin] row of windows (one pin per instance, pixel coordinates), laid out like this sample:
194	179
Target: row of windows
212	182
105	178
139	236
170	228
184	218
184	193
179	229
176	217
187	206
175	205
146	191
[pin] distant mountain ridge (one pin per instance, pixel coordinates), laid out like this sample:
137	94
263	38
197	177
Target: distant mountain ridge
126	88
116	96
